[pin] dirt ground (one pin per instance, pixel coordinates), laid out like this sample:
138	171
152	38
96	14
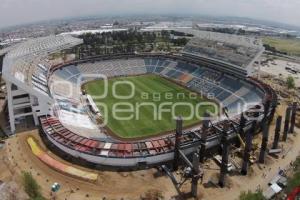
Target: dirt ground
110	185
16	157
277	68
259	175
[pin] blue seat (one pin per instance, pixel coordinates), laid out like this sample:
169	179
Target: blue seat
230	84
160	63
147	61
223	96
176	75
184	67
63	74
198	72
150	69
169	73
159	69
72	69
154	61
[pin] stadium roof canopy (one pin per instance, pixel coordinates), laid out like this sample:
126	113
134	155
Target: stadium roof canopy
235	51
25	70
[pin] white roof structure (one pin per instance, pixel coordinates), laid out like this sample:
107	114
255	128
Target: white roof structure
251	42
25	69
23	60
235	51
104	30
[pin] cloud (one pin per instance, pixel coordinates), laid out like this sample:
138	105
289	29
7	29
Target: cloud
21	11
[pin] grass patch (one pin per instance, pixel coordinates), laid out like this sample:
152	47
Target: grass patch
252	196
147	89
294	180
31	187
290	46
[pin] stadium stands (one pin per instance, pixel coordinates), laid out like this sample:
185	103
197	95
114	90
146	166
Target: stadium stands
228	90
68	121
225	88
153	150
229	53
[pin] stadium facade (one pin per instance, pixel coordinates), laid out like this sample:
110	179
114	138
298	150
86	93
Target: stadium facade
25	69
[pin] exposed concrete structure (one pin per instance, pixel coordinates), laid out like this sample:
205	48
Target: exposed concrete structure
293	117
177	143
225	152
273	110
277	132
196	175
248	147
286	123
265	131
205	126
242	125
263	149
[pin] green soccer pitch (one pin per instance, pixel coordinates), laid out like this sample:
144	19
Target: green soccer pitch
143	120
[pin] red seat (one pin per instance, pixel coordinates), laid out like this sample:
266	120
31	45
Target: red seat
83	141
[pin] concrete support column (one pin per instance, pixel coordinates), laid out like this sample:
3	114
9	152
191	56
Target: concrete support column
277	132
195	177
248	147
35	118
264	143
242	125
266	111
273	110
177	143
225	152
10	108
286	123
293	117
205	126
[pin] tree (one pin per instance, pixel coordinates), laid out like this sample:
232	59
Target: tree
252	196
294	179
31	187
293	182
290	82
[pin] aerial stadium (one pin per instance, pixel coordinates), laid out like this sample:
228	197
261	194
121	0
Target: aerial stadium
63	98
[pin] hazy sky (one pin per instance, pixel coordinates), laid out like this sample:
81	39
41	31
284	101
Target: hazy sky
19	11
